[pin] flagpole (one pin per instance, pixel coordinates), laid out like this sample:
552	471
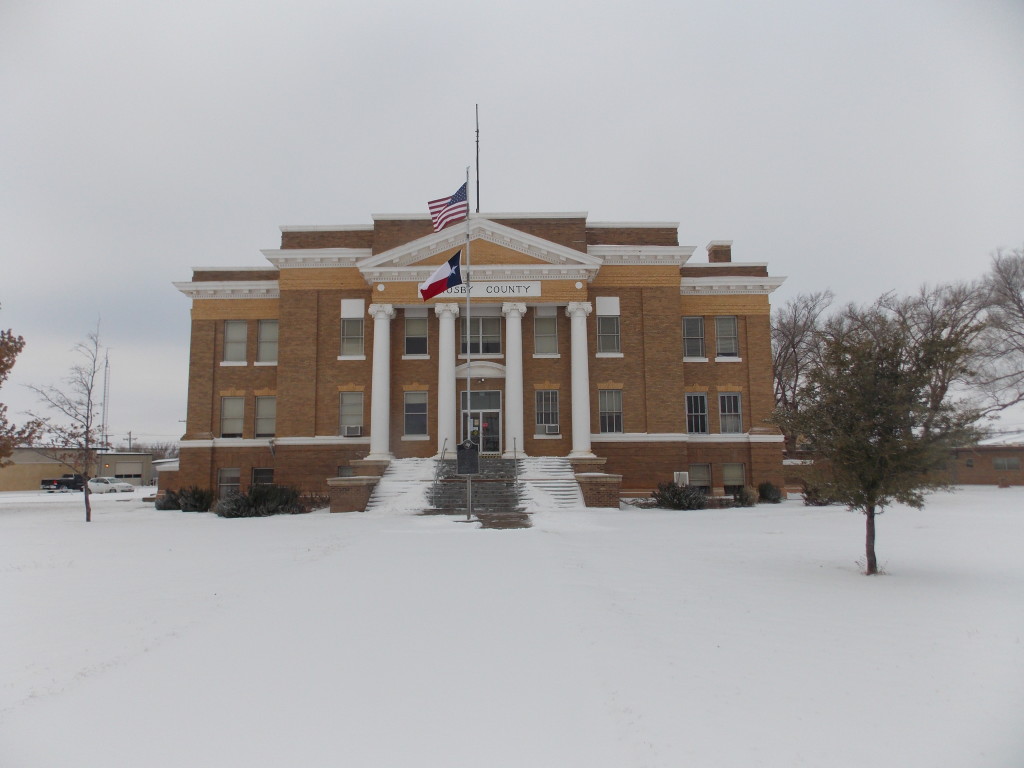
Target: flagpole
477	160
469	368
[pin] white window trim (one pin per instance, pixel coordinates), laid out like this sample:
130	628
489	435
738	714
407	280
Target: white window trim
546	355
728	359
233	363
609	354
415	357
351	357
267	364
695	360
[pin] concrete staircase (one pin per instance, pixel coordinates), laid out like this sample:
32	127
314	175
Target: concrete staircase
501	492
495	489
550	482
403	486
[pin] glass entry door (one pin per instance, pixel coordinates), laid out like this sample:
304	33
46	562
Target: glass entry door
481	421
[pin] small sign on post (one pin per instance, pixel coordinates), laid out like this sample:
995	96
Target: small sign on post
467	458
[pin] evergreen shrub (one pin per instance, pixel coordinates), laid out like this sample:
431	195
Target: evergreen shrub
673	496
769	493
169	500
261	501
745	497
195	499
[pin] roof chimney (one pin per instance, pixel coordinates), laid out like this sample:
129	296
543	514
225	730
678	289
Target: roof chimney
719	251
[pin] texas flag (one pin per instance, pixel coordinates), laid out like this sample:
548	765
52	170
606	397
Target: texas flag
448	275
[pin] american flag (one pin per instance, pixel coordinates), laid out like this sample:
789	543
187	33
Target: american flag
449	210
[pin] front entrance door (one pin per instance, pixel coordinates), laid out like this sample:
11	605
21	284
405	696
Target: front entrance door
482	421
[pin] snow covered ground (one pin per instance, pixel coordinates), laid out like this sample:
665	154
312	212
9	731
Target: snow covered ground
740	638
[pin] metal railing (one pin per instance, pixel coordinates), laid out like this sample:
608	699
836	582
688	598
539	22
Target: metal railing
439	466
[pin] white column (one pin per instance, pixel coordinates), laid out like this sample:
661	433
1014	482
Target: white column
380	397
513	313
446	410
578	312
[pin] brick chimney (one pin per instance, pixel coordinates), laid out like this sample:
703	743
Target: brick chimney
719	251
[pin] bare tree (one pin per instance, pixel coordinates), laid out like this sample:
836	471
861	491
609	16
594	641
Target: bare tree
159	450
796	346
75	437
947	323
1002	367
11	436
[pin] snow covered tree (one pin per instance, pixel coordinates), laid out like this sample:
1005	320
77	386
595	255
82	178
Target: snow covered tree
11	436
868	413
75	438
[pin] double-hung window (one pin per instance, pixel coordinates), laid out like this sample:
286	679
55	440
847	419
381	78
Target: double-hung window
697	413
700	476
234	340
262	475
350	422
545	331
547	412
693	337
730	413
483	334
609	404
1006	463
416	332
415	413
232	416
609	341
734	477
352	314
266	416
727	336
266	349
228	480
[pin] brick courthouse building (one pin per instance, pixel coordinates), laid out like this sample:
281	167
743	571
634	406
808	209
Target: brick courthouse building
593	341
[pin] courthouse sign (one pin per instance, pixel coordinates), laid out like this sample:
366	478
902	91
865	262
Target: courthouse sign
492	290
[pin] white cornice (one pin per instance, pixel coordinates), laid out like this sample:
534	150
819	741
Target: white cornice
728	284
450	238
680	437
315	258
643	255
484	273
230	289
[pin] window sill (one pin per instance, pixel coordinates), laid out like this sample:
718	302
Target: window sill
609	354
482	356
414	438
694	359
546	355
351	357
728	359
548	437
267	364
233	363
415	357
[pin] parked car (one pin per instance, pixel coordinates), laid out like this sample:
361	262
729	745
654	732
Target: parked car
109	485
66	483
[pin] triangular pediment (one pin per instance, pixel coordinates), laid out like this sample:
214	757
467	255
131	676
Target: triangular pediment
493	246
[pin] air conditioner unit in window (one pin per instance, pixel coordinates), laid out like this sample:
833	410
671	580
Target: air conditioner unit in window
348	431
681	478
551	429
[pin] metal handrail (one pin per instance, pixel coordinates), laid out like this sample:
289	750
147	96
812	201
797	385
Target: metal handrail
439	467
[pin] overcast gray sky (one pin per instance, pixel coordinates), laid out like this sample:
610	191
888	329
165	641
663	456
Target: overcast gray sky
857	145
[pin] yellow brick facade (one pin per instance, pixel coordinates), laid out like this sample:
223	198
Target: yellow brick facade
325	283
